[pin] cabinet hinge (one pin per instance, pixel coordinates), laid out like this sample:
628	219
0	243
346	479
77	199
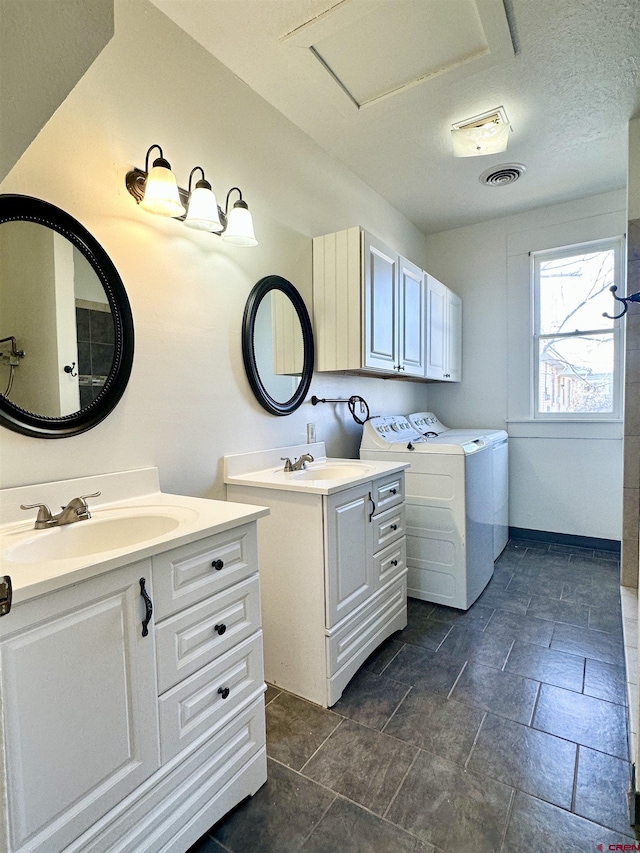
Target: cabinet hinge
5	594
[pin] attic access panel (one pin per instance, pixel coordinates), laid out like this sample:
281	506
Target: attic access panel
374	49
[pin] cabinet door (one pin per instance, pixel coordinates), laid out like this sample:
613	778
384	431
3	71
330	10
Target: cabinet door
79	707
411	311
349	569
436	329
453	372
380	305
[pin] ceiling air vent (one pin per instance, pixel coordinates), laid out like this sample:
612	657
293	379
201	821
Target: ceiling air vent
500	176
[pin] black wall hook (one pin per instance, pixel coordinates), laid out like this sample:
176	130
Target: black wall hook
635	297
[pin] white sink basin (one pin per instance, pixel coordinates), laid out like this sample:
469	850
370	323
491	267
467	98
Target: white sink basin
331	471
97	535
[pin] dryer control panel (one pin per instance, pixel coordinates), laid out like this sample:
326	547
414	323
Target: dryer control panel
382	431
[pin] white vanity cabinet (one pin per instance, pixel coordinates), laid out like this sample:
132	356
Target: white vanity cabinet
116	735
80	725
333	579
368	306
444	332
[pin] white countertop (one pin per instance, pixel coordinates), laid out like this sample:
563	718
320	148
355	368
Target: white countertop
192	519
265	470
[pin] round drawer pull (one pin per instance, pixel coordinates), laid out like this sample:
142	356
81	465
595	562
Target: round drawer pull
217	565
223	691
393	526
393	491
221	628
394	562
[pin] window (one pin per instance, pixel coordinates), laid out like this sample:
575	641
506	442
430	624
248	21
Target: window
577	353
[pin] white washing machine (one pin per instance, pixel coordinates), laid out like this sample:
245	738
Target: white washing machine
427	422
448	508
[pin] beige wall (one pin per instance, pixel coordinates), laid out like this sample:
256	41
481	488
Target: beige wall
188	402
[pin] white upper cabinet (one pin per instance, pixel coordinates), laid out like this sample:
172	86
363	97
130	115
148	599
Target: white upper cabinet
368	306
444	332
371	310
380	308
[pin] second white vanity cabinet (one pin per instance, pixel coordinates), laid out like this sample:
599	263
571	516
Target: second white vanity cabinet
332	573
123	729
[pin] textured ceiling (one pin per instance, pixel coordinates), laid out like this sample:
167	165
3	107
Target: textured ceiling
568	77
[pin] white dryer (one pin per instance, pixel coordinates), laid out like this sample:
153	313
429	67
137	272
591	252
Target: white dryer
427	423
448	508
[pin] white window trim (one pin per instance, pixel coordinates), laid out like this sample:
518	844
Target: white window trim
618	245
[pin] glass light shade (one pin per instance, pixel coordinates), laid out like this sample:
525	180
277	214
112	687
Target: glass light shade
239	230
202	212
489	138
161	193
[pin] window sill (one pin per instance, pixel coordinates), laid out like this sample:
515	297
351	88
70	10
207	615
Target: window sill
566	428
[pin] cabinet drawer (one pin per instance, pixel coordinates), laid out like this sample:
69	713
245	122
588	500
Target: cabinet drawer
388	526
197	705
388	491
390	562
361	627
190	639
186	575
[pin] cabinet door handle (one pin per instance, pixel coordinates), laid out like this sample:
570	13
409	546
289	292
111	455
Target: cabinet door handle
393	526
221	628
223	691
393	491
373	505
148	607
217	565
394	562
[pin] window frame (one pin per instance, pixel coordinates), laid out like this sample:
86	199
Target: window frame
617	329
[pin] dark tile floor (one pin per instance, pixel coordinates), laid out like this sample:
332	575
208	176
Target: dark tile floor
499	730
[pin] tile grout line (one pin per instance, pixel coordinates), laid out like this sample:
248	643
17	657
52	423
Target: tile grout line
322	817
535	707
508	820
382	730
506	660
333	731
387	665
402	781
475	740
339	796
464	666
572	807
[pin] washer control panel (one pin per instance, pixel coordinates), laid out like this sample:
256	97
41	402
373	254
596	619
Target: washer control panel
390	429
426	422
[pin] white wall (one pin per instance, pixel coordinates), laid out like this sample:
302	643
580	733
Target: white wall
188	402
564	478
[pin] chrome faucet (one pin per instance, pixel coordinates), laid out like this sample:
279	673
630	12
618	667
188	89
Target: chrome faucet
298	465
76	510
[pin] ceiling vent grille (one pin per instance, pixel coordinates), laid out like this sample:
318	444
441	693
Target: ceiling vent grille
500	176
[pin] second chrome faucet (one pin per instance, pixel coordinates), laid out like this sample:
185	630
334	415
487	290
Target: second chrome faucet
299	464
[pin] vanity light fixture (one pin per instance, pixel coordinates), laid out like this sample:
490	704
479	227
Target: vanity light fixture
487	133
157	191
202	213
239	230
161	188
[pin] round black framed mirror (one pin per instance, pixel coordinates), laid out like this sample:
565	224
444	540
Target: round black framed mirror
277	345
66	329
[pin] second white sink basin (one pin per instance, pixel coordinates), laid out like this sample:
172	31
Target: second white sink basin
97	535
331	471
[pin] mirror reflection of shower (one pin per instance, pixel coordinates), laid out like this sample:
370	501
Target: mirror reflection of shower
11	357
55	306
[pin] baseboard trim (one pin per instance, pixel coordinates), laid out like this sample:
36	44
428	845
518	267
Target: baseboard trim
612	545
